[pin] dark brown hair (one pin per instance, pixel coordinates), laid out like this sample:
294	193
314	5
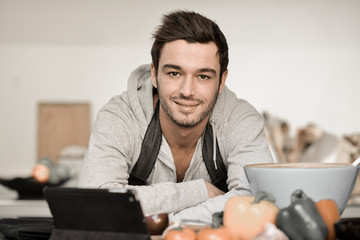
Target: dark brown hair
191	27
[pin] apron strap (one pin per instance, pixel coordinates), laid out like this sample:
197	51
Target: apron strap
218	176
151	146
149	151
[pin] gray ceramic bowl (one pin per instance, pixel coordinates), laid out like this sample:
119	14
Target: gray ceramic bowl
318	181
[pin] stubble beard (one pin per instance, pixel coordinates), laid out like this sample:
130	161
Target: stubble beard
185	122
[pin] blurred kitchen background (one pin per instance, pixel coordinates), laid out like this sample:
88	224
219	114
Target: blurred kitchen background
296	61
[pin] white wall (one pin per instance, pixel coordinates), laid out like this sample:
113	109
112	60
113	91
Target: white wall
298	59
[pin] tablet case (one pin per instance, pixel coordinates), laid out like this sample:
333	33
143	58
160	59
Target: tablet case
83	213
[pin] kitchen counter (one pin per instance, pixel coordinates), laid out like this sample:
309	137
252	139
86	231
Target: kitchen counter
11	207
24	208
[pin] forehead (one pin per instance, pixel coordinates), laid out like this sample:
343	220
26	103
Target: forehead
190	55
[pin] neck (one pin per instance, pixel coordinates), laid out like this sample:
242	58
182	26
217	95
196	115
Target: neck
179	136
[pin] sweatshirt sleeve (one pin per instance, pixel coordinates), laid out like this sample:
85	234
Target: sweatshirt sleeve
244	143
169	197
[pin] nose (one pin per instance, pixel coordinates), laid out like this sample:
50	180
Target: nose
187	86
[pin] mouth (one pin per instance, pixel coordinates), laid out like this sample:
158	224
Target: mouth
187	103
186	106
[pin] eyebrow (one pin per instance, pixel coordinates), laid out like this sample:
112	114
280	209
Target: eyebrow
210	70
177	67
171	66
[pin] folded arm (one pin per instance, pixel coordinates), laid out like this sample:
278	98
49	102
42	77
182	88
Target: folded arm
245	144
113	146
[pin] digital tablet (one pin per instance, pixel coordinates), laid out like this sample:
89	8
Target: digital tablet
99	210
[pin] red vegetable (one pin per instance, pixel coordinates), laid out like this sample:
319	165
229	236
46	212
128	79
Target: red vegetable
180	234
214	234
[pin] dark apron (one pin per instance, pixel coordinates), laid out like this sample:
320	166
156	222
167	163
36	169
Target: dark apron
151	146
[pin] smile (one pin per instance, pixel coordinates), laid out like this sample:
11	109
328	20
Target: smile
187	104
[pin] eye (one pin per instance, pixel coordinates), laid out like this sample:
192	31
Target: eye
173	74
203	77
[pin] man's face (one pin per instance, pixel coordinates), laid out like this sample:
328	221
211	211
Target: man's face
188	81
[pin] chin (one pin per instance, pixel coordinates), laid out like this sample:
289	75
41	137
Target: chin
187	122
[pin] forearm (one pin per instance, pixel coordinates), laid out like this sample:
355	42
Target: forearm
164	197
168	197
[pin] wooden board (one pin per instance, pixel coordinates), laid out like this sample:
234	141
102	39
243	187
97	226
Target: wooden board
61	125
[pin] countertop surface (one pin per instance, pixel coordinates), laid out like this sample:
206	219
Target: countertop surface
10	206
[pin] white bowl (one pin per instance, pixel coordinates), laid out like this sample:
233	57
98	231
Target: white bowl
318	181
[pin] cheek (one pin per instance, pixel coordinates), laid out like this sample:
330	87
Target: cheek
208	93
168	88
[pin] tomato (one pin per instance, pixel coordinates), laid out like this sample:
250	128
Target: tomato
180	234
214	234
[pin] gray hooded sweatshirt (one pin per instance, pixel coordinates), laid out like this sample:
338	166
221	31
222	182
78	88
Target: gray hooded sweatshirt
115	145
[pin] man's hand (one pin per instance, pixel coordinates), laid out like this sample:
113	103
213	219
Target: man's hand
212	190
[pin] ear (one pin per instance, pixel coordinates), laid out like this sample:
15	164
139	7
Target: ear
223	80
153	75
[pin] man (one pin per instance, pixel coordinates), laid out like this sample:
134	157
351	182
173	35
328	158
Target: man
178	135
